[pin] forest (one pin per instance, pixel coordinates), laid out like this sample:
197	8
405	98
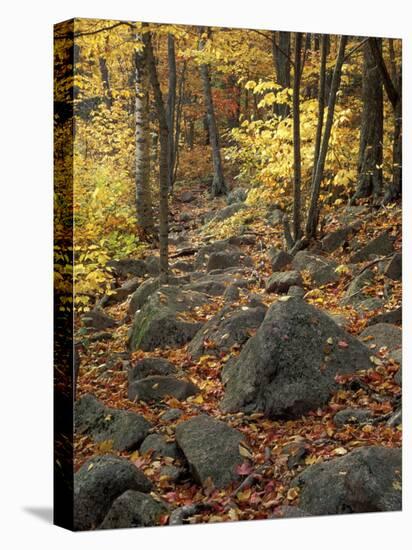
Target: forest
228	237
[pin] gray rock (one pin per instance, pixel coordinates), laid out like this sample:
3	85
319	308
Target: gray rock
98	483
370	304
211	448
236	196
227	258
225	213
98	320
142	293
245	239
352	416
157	324
353	214
355	292
185	217
289	512
279	259
128	266
397	356
296	291
134	509
208	285
171	415
334	240
120	294
231	294
125	429
365	480
230	326
157	387
393	317
150	366
173	473
181	265
380	246
322	271
282	280
275	217
159	446
187	196
383	335
204	252
288	368
394	268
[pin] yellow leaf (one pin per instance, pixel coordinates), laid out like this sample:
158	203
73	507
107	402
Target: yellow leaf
293	493
339	451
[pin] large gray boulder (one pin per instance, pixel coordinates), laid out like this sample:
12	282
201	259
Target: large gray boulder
335	239
128	266
394	268
203	254
98	483
159	446
225	213
211	448
120	293
382	335
230	326
150	366
279	259
157	324
355	293
281	281
227	258
134	509
237	195
157	387
97	319
125	429
288	368
321	270
365	480
393	317
380	246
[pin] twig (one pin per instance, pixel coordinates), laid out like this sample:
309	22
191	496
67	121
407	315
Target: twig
178	516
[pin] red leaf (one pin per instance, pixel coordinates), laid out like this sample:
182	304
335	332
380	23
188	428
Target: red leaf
343	344
243	469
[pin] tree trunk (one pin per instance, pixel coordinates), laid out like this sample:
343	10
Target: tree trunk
104	73
218	185
171	108
163	163
313	213
297	230
281	58
321	101
371	136
142	140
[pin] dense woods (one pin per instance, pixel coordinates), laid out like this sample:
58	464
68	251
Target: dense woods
236	197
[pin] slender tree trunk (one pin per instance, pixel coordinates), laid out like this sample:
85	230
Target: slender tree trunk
371	136
142	140
104	73
163	162
313	213
281	59
171	107
321	101
179	109
297	230
218	185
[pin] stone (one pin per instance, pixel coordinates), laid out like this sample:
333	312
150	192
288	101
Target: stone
225	213
98	320
172	473
369	304
281	281
98	483
380	246
128	266
157	324
352	416
187	196
134	509
227	258
394	267
296	291
120	293
393	317
275	217
142	293
157	444
181	265
204	252
230	326
211	449
288	368
355	292
153	265
125	429
322	271
286	511
382	335
231	294
279	259
207	285
335	239
157	387
150	366
367	479
236	196
171	415
185	217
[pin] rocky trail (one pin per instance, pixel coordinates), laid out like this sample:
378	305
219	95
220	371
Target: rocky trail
255	384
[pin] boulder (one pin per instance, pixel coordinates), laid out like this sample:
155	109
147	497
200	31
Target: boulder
204	252
134	509
153	265
369	304
187	196
322	271
98	483
230	326
208	285
227	258
275	217
236	196
98	320
185	217
125	429
286	511
181	265
365	480
157	324
394	267
225	213
150	366
171	415
282	280
355	292
352	416
288	368
157	444
231	294
128	266
120	293
296	291
142	293
157	387
279	259
393	317
334	240
211	449
380	246
382	335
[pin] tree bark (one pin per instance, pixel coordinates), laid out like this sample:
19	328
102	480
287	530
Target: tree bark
371	136
104	73
163	162
218	185
313	213
142	140
321	101
171	108
281	59
297	230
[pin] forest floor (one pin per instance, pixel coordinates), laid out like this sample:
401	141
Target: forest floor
268	467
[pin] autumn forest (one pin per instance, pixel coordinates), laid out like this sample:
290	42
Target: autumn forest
228	241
